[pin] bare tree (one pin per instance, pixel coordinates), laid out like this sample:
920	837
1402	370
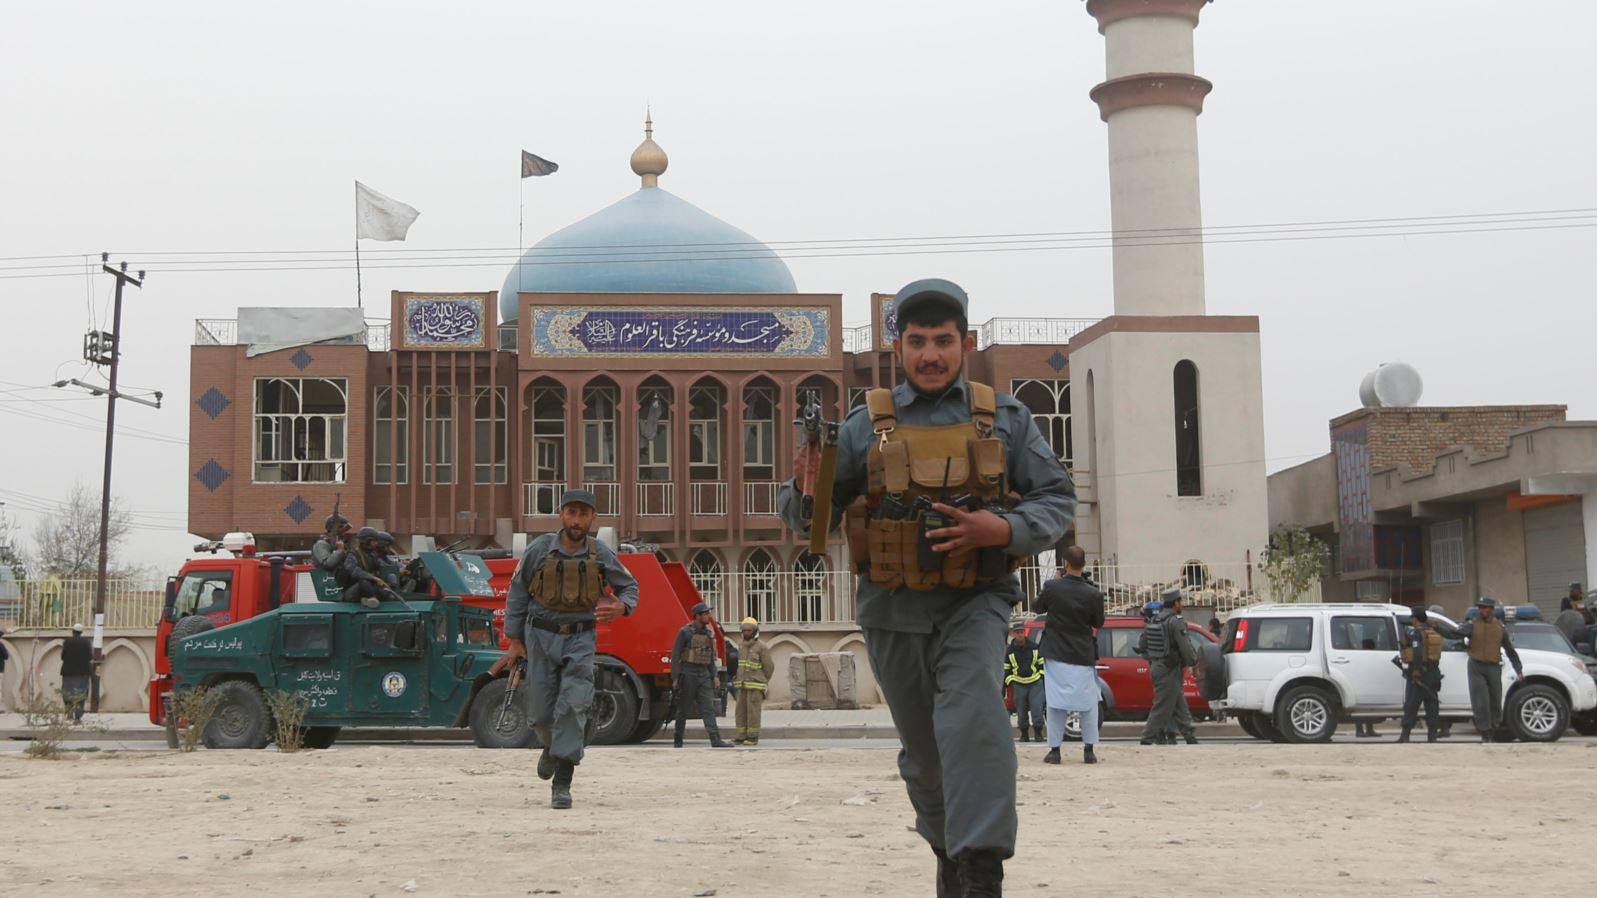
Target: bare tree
66	542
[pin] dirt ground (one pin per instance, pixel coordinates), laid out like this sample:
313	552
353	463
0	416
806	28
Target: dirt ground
1210	819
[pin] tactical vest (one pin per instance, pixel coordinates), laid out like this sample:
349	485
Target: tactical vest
568	584
1157	637
700	648
1486	641
1433	648
906	463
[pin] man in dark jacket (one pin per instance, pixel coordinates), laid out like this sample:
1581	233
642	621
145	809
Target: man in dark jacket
4	657
77	665
1070	652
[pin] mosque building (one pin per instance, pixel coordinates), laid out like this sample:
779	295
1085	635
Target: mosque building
658	356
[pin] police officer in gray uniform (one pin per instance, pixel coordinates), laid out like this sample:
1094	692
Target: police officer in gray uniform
693	676
1165	644
935	631
564	585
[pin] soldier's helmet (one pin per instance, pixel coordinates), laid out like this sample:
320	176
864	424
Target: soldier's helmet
366	534
336	520
384	537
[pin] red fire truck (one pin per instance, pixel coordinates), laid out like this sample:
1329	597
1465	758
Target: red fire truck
633	697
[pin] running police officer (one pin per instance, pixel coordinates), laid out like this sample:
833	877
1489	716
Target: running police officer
693	672
945	485
563	586
1164	642
1422	670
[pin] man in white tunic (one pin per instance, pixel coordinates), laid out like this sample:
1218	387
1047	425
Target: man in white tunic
1070	652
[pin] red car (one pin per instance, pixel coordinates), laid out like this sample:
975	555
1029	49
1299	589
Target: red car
1123	674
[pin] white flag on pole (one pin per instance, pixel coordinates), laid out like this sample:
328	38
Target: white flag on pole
378	217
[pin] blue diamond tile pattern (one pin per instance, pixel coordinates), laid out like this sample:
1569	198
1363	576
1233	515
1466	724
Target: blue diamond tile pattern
212	403
211	475
299	510
1057	361
301	359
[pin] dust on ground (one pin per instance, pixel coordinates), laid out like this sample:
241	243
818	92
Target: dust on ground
1210	819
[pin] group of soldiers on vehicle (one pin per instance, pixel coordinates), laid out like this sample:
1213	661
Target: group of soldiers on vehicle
365	563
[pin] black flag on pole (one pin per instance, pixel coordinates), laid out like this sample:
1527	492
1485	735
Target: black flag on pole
536	166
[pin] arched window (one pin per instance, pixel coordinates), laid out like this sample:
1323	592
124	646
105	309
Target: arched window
1189	448
546	406
599	402
654	430
809	586
704	569
300	424
759	585
1049	402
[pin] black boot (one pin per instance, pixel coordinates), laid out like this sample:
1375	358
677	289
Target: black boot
982	872
1189	736
1430	736
1087	755
948	883
717	742
546	765
677	739
1403	736
1052	757
560	793
1025	734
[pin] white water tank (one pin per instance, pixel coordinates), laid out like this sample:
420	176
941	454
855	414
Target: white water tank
1393	385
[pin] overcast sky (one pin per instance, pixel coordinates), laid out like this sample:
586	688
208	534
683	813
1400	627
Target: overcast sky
204	127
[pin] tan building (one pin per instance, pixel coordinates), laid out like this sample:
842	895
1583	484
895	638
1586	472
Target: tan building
1439	505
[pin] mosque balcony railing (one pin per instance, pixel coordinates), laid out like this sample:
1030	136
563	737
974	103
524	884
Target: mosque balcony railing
656	498
759	497
707	497
1034	331
786	599
542	498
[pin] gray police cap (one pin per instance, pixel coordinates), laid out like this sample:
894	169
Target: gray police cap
1486	602
586	497
1173	594
930	290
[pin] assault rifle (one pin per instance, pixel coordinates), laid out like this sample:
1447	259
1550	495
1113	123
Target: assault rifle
815	505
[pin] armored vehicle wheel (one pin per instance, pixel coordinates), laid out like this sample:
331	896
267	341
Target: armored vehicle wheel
319	737
1306	714
646	730
188	626
241	718
615	708
493	725
1537	713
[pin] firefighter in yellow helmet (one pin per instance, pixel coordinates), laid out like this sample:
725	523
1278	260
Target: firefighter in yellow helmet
752	678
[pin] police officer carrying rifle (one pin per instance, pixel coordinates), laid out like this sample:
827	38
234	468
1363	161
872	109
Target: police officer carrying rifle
564	586
944	487
329	550
1488	642
1422	674
1169	651
364	570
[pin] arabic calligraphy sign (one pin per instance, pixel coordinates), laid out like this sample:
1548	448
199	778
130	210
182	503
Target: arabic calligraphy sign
437	321
887	329
782	332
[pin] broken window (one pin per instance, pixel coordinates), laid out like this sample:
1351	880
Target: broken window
300	428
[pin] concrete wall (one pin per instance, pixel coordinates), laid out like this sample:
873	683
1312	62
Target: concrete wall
786	645
1304	494
35	668
1141	519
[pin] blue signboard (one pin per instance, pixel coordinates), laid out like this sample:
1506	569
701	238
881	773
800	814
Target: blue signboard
784	332
445	322
888	332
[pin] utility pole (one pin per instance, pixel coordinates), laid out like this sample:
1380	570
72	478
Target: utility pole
106	349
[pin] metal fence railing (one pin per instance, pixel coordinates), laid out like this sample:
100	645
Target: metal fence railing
781	598
1223	587
1030	330
58	604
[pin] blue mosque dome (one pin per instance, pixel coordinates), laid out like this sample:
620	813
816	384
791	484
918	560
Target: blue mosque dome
650	242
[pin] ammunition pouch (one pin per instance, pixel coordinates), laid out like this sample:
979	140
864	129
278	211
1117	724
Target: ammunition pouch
568	584
700	649
910	468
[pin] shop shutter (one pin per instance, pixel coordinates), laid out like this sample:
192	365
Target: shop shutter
1555	554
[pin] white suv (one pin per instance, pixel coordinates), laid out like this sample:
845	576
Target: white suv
1292	672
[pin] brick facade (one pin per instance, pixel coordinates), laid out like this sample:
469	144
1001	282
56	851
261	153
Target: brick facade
1412	437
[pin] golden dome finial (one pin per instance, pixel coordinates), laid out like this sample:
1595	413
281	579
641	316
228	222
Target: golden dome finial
648	160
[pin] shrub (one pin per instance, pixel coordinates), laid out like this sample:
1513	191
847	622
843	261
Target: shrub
192	709
288	716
